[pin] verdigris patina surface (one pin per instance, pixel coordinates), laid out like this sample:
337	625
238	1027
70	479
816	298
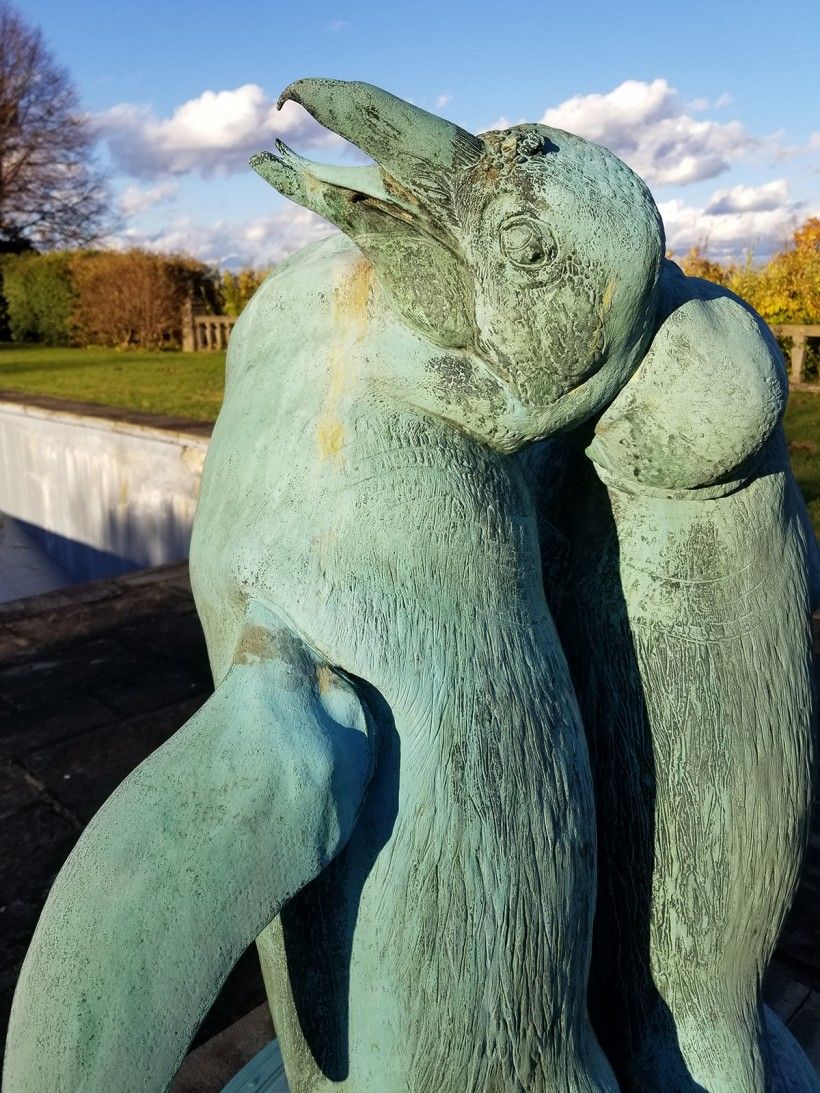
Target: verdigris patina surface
683	584
393	762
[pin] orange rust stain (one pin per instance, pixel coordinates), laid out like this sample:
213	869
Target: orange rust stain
330	436
325	679
352	294
609	292
256	643
350	304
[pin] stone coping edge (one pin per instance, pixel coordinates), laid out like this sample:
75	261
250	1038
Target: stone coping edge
89	592
115	416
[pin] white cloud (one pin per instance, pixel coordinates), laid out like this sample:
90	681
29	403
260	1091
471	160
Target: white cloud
263	241
649	126
502	123
760	219
135	200
809	151
212	134
745	199
668	141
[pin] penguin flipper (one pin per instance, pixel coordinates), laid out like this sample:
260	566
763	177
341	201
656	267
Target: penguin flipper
184	865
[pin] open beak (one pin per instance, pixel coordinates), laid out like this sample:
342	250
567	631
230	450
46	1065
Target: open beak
416	154
399	210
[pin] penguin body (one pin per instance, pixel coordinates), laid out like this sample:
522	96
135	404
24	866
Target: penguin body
406	554
685	609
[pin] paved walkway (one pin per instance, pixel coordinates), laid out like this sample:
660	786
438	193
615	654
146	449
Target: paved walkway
93	679
25	568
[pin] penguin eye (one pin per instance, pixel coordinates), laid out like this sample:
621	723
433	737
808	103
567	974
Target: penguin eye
527	243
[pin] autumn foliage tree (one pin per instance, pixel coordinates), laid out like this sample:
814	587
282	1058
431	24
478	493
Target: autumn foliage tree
236	289
127	299
784	290
788	290
51	194
697	264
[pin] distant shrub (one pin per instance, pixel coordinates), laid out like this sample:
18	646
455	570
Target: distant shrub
697	264
107	298
135	298
39	297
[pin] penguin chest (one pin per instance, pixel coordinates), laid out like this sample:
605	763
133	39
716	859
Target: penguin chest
445	932
449	938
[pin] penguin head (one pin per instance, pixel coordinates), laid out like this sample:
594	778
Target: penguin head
530	257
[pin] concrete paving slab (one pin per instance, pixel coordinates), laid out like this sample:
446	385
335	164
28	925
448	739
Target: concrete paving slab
211	1066
83	771
25	568
67	670
64	625
35	843
16	790
11	643
176	638
18	917
22	732
169	684
76	666
90	592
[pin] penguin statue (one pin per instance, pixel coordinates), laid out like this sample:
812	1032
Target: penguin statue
390	787
392	766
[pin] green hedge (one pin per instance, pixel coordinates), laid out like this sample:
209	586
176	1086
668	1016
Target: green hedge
106	298
40	297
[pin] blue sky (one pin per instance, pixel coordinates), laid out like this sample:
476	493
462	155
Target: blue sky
716	104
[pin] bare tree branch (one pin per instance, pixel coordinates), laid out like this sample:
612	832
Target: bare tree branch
51	192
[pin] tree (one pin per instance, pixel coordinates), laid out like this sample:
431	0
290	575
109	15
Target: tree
794	277
237	288
51	193
132	298
697	264
784	290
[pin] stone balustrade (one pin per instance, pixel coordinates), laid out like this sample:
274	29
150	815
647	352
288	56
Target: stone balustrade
205	332
799	337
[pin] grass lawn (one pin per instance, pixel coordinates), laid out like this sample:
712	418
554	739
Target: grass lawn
190	385
803	430
176	384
